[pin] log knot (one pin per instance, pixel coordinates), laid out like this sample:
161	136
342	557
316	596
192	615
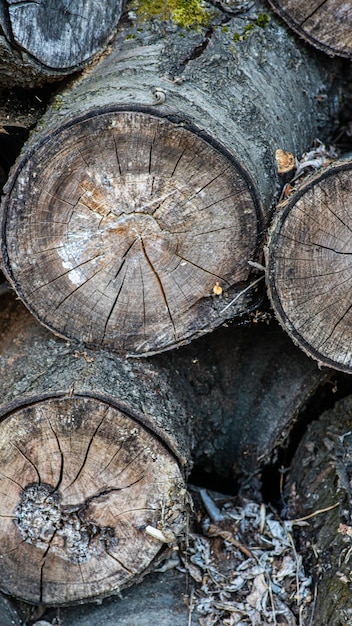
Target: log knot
43	522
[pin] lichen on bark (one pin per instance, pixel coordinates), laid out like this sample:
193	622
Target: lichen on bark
187	14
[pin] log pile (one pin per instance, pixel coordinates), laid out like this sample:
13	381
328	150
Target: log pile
137	218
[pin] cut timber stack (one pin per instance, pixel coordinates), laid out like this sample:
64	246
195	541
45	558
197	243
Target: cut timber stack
47	40
309	266
95	449
132	216
326	25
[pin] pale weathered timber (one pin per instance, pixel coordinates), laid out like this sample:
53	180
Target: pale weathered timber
47	40
309	266
326	25
93	456
142	197
319	480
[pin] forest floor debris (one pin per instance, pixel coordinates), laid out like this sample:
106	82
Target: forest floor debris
244	561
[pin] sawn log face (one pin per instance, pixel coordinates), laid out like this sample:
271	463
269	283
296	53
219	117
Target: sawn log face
309	266
80	484
127	227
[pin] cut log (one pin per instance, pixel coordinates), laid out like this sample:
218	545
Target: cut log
229	389
326	25
319	489
247	386
93	455
308	266
132	215
47	40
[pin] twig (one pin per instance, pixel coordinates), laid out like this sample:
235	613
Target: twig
297	577
241	294
190	608
303	519
314	604
212	510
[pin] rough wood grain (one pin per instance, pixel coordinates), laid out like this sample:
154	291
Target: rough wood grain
135	225
46	40
320	477
80	484
326	24
141	197
309	270
93	451
224	396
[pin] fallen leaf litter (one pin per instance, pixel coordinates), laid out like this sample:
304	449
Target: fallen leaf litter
245	566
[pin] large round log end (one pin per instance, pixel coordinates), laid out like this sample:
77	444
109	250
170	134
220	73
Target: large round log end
130	232
89	498
326	25
309	267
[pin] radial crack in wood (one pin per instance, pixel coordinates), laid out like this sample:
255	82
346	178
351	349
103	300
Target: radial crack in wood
309	266
80	483
121	225
326	24
44	40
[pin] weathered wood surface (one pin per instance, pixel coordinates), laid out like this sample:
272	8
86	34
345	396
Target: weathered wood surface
8	614
159	599
246	387
326	25
227	392
92	459
143	194
319	478
309	266
47	40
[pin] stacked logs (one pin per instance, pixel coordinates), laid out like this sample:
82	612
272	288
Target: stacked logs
132	223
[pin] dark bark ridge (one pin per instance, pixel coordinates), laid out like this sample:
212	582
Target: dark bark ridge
326	25
186	106
44	40
319	486
309	269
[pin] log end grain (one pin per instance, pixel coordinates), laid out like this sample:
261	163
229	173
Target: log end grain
130	232
89	498
42	41
326	25
309	266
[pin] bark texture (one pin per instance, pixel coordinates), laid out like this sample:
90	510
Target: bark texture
93	456
308	266
142	196
320	478
47	40
326	25
246	387
159	599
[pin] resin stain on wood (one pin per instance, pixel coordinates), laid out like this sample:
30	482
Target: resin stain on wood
123	225
76	500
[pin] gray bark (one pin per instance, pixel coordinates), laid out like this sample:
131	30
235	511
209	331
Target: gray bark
232	397
254	95
319	486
